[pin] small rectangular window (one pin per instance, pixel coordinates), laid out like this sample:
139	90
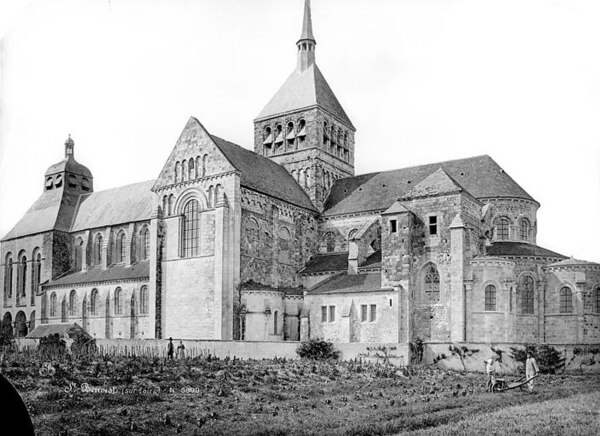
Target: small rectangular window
433	225
373	312
363	313
331	313
323	313
393	226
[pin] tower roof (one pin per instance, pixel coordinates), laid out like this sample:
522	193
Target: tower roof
307	32
303	90
69	164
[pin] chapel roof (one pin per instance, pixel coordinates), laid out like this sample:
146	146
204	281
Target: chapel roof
336	262
519	249
304	89
573	262
481	176
263	175
96	274
63	330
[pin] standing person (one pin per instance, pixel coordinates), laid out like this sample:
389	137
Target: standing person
490	370
531	370
181	350
170	349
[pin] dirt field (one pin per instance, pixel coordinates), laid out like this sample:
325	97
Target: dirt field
121	395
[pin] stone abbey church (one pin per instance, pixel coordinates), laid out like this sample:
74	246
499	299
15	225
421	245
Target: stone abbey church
286	242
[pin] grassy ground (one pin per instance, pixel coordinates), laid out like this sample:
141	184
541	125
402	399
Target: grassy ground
576	415
119	395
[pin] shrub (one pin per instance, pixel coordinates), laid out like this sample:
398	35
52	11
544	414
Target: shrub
7	340
317	349
548	358
83	345
52	346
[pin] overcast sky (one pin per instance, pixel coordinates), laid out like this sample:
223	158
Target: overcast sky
422	80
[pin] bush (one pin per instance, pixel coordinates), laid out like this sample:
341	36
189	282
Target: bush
83	345
52	346
7	340
548	358
317	349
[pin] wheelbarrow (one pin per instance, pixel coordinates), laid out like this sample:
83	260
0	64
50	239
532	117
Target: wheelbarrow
501	385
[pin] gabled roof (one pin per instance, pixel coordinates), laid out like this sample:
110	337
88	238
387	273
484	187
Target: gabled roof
437	183
96	274
115	206
480	176
519	249
63	330
349	283
304	89
263	175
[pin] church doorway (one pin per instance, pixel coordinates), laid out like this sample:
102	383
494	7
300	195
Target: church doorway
7	324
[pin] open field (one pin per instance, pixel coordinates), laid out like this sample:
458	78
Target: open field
127	395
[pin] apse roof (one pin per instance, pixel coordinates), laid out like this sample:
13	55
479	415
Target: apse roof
481	176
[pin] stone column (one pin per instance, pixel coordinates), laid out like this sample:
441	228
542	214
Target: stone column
457	273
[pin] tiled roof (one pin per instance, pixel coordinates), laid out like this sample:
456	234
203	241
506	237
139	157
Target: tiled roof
254	286
70	165
573	262
480	176
373	261
139	270
115	206
438	182
263	175
326	262
305	89
353	283
63	330
503	249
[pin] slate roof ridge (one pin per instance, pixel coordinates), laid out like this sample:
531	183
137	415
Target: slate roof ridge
571	261
432	179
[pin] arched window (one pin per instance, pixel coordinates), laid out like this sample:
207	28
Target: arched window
191	228
502	229
144	243
306	177
490	298
184	170
275	317
118	302
37	275
197	167
44	315
85	184
171	204
94	302
165	205
98	249
211	194
21	279
252	236
78	254
20	325
63	310
527	295
32	320
218	194
177	171
191	170
432	283
204	164
596	300
330	242
524	229
73	303
53	304
144	300
566	300
8	277
120	254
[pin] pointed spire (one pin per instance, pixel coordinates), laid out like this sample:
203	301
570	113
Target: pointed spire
306	44
69	147
307	32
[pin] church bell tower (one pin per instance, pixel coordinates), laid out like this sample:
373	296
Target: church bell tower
304	127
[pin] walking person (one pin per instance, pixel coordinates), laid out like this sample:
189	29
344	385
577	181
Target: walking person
170	349
531	370
180	350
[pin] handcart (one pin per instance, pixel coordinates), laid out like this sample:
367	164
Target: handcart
501	385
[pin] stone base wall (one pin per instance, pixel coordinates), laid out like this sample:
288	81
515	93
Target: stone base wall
578	357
